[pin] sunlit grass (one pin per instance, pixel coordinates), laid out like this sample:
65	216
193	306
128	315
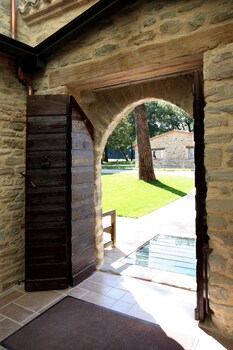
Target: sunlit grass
134	198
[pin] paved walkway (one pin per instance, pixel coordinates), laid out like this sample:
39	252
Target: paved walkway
176	219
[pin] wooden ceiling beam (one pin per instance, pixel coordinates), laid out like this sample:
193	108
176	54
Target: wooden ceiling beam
180	54
146	73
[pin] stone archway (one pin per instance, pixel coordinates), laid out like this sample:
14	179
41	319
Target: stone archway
133	233
107	107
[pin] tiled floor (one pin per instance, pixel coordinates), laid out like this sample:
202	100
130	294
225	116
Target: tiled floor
170	307
142	293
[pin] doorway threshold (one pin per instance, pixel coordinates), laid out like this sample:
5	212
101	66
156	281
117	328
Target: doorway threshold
115	262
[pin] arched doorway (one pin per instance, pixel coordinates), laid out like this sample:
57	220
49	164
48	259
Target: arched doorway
115	103
106	107
145	235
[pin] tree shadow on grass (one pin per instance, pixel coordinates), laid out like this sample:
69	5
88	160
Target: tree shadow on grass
165	187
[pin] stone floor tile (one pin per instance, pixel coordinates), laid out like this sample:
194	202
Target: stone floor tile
94	286
121	286
77	292
15	312
115	293
37	301
8	327
138	312
53	302
10	296
188	341
2	317
105	278
98	299
207	342
121	306
128	298
34	315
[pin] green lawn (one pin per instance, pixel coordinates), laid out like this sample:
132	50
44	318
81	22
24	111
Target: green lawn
134	198
121	164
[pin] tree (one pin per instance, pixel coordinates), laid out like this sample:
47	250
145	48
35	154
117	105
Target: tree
146	170
122	136
164	117
105	155
161	116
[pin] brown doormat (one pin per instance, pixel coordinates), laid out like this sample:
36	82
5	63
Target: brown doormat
73	324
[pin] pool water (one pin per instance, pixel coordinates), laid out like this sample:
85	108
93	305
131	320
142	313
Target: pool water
168	253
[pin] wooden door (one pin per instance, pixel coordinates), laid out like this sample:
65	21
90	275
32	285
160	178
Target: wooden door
82	195
202	248
49	196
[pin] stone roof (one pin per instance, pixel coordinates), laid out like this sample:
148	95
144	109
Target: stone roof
171	132
167	133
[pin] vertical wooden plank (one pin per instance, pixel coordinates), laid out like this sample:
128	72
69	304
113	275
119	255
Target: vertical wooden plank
59	240
47	208
82	196
201	189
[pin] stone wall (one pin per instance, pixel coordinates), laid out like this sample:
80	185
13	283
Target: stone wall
175	146
5	18
12	162
218	74
153	20
38	19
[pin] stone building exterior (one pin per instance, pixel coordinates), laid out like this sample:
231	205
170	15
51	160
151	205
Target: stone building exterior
173	149
140	51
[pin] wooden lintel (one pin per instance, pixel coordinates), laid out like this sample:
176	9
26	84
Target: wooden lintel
146	73
178	55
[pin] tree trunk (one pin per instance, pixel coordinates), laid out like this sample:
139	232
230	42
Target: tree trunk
105	154
124	155
146	170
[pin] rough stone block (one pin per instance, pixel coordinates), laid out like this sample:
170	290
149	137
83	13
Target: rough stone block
221	16
219	63
214	121
222	92
222	318
217	222
149	22
216	109
171	27
168	14
219	138
227	238
230	162
13	161
220	279
218	262
225	190
141	38
190	6
219	294
105	49
220	205
196	21
213	157
220	175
